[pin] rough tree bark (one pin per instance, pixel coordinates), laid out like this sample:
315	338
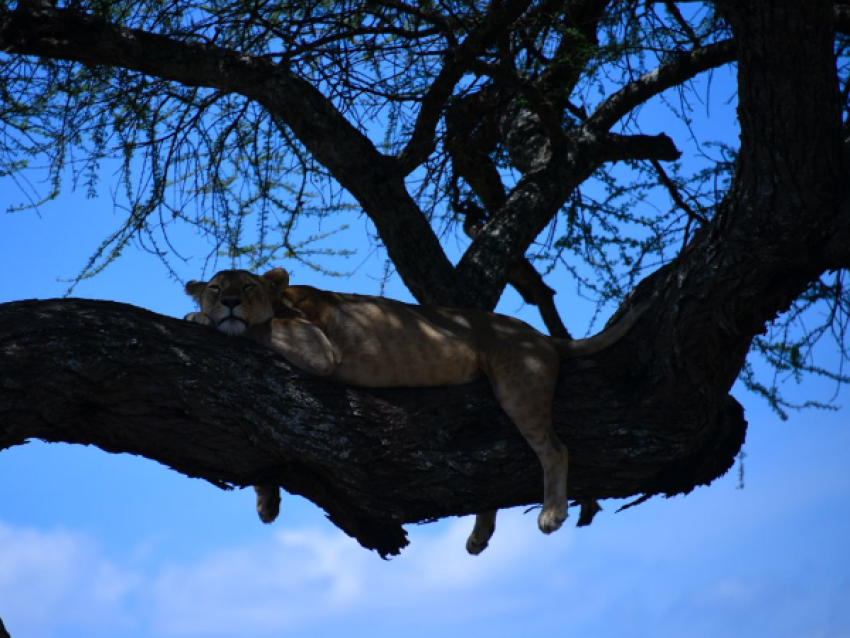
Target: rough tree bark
651	416
234	413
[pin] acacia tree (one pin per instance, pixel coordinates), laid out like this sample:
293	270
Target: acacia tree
432	119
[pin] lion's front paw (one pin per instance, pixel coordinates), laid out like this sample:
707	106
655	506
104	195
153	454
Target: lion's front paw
199	317
551	518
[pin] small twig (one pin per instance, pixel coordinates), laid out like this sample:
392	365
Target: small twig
642	499
673	10
676	195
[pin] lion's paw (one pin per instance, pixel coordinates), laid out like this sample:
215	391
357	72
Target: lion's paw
268	502
475	545
199	317
551	518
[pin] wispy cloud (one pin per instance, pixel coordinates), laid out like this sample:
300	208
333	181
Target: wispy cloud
698	566
53	581
50	575
310	576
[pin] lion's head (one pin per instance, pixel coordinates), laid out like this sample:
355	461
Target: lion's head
235	299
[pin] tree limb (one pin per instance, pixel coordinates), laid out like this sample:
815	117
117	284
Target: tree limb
683	67
235	413
523	276
532	204
638	147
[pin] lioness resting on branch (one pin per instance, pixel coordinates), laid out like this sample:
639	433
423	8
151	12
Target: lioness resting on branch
381	343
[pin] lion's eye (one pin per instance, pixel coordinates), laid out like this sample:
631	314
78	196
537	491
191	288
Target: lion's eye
213	288
248	287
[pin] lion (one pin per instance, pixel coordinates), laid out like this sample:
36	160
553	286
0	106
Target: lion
375	342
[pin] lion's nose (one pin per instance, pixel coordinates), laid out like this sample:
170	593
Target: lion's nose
231	302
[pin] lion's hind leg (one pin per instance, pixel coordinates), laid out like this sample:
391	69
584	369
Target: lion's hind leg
268	502
525	388
485	525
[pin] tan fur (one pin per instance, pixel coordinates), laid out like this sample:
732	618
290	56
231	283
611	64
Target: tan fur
376	342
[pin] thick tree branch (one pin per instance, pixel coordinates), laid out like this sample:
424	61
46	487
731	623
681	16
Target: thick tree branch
532	204
840	13
536	198
638	147
579	42
472	135
538	103
235	413
523	276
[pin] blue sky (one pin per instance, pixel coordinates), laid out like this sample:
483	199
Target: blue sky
93	544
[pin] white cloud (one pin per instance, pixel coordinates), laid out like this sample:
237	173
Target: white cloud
309	577
731	591
59	582
287	581
49	575
664	567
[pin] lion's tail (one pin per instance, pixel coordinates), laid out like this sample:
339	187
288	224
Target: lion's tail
572	348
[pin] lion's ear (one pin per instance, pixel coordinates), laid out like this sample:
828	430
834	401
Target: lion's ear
278	277
195	289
